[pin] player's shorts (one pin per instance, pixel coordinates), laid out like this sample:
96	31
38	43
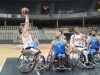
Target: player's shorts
92	51
61	55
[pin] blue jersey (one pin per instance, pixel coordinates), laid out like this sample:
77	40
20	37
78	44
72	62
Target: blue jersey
59	47
63	37
94	43
35	43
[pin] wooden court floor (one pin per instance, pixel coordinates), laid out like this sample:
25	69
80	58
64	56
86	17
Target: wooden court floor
11	51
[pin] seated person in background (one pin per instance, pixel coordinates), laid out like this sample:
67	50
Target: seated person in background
94	43
58	48
87	38
35	43
62	36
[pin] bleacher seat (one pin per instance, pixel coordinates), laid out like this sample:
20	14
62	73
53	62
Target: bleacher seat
9	6
71	6
11	32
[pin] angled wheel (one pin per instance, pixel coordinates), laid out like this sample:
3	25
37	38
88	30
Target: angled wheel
41	64
74	57
82	58
69	63
49	62
97	60
26	62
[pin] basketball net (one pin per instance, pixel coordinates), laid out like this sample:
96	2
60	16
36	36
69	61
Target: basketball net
23	24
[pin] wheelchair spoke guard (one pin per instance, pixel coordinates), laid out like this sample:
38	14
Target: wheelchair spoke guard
74	57
26	62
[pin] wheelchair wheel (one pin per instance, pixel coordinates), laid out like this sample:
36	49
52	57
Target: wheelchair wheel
49	62
26	62
74	57
97	59
69	63
91	58
82	58
41	64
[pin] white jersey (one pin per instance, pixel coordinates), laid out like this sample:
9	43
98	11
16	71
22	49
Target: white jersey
77	40
27	41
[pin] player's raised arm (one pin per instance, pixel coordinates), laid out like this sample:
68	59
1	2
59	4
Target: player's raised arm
25	13
26	24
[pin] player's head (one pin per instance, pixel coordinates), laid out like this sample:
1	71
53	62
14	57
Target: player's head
85	35
58	34
61	31
94	32
32	36
21	30
76	30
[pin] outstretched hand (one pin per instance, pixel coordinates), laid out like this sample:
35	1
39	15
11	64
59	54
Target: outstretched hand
99	51
74	48
24	14
68	54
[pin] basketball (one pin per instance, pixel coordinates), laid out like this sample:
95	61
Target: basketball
25	11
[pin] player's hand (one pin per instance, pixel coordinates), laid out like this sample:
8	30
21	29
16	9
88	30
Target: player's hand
86	48
38	48
53	53
99	51
74	48
68	54
25	14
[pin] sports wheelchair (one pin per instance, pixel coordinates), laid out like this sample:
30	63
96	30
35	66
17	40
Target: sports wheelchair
94	58
53	63
27	61
79	59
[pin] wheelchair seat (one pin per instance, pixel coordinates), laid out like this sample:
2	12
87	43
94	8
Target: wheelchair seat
28	49
27	60
68	65
91	57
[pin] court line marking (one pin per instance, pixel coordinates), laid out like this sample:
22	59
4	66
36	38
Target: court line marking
3	64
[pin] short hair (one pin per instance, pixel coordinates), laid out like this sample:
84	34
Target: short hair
20	30
61	31
76	27
95	30
86	33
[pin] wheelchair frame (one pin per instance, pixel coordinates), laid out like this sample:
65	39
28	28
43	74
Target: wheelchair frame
94	58
51	63
31	65
79	61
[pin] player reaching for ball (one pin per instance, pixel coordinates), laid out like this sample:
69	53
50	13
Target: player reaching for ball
26	37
